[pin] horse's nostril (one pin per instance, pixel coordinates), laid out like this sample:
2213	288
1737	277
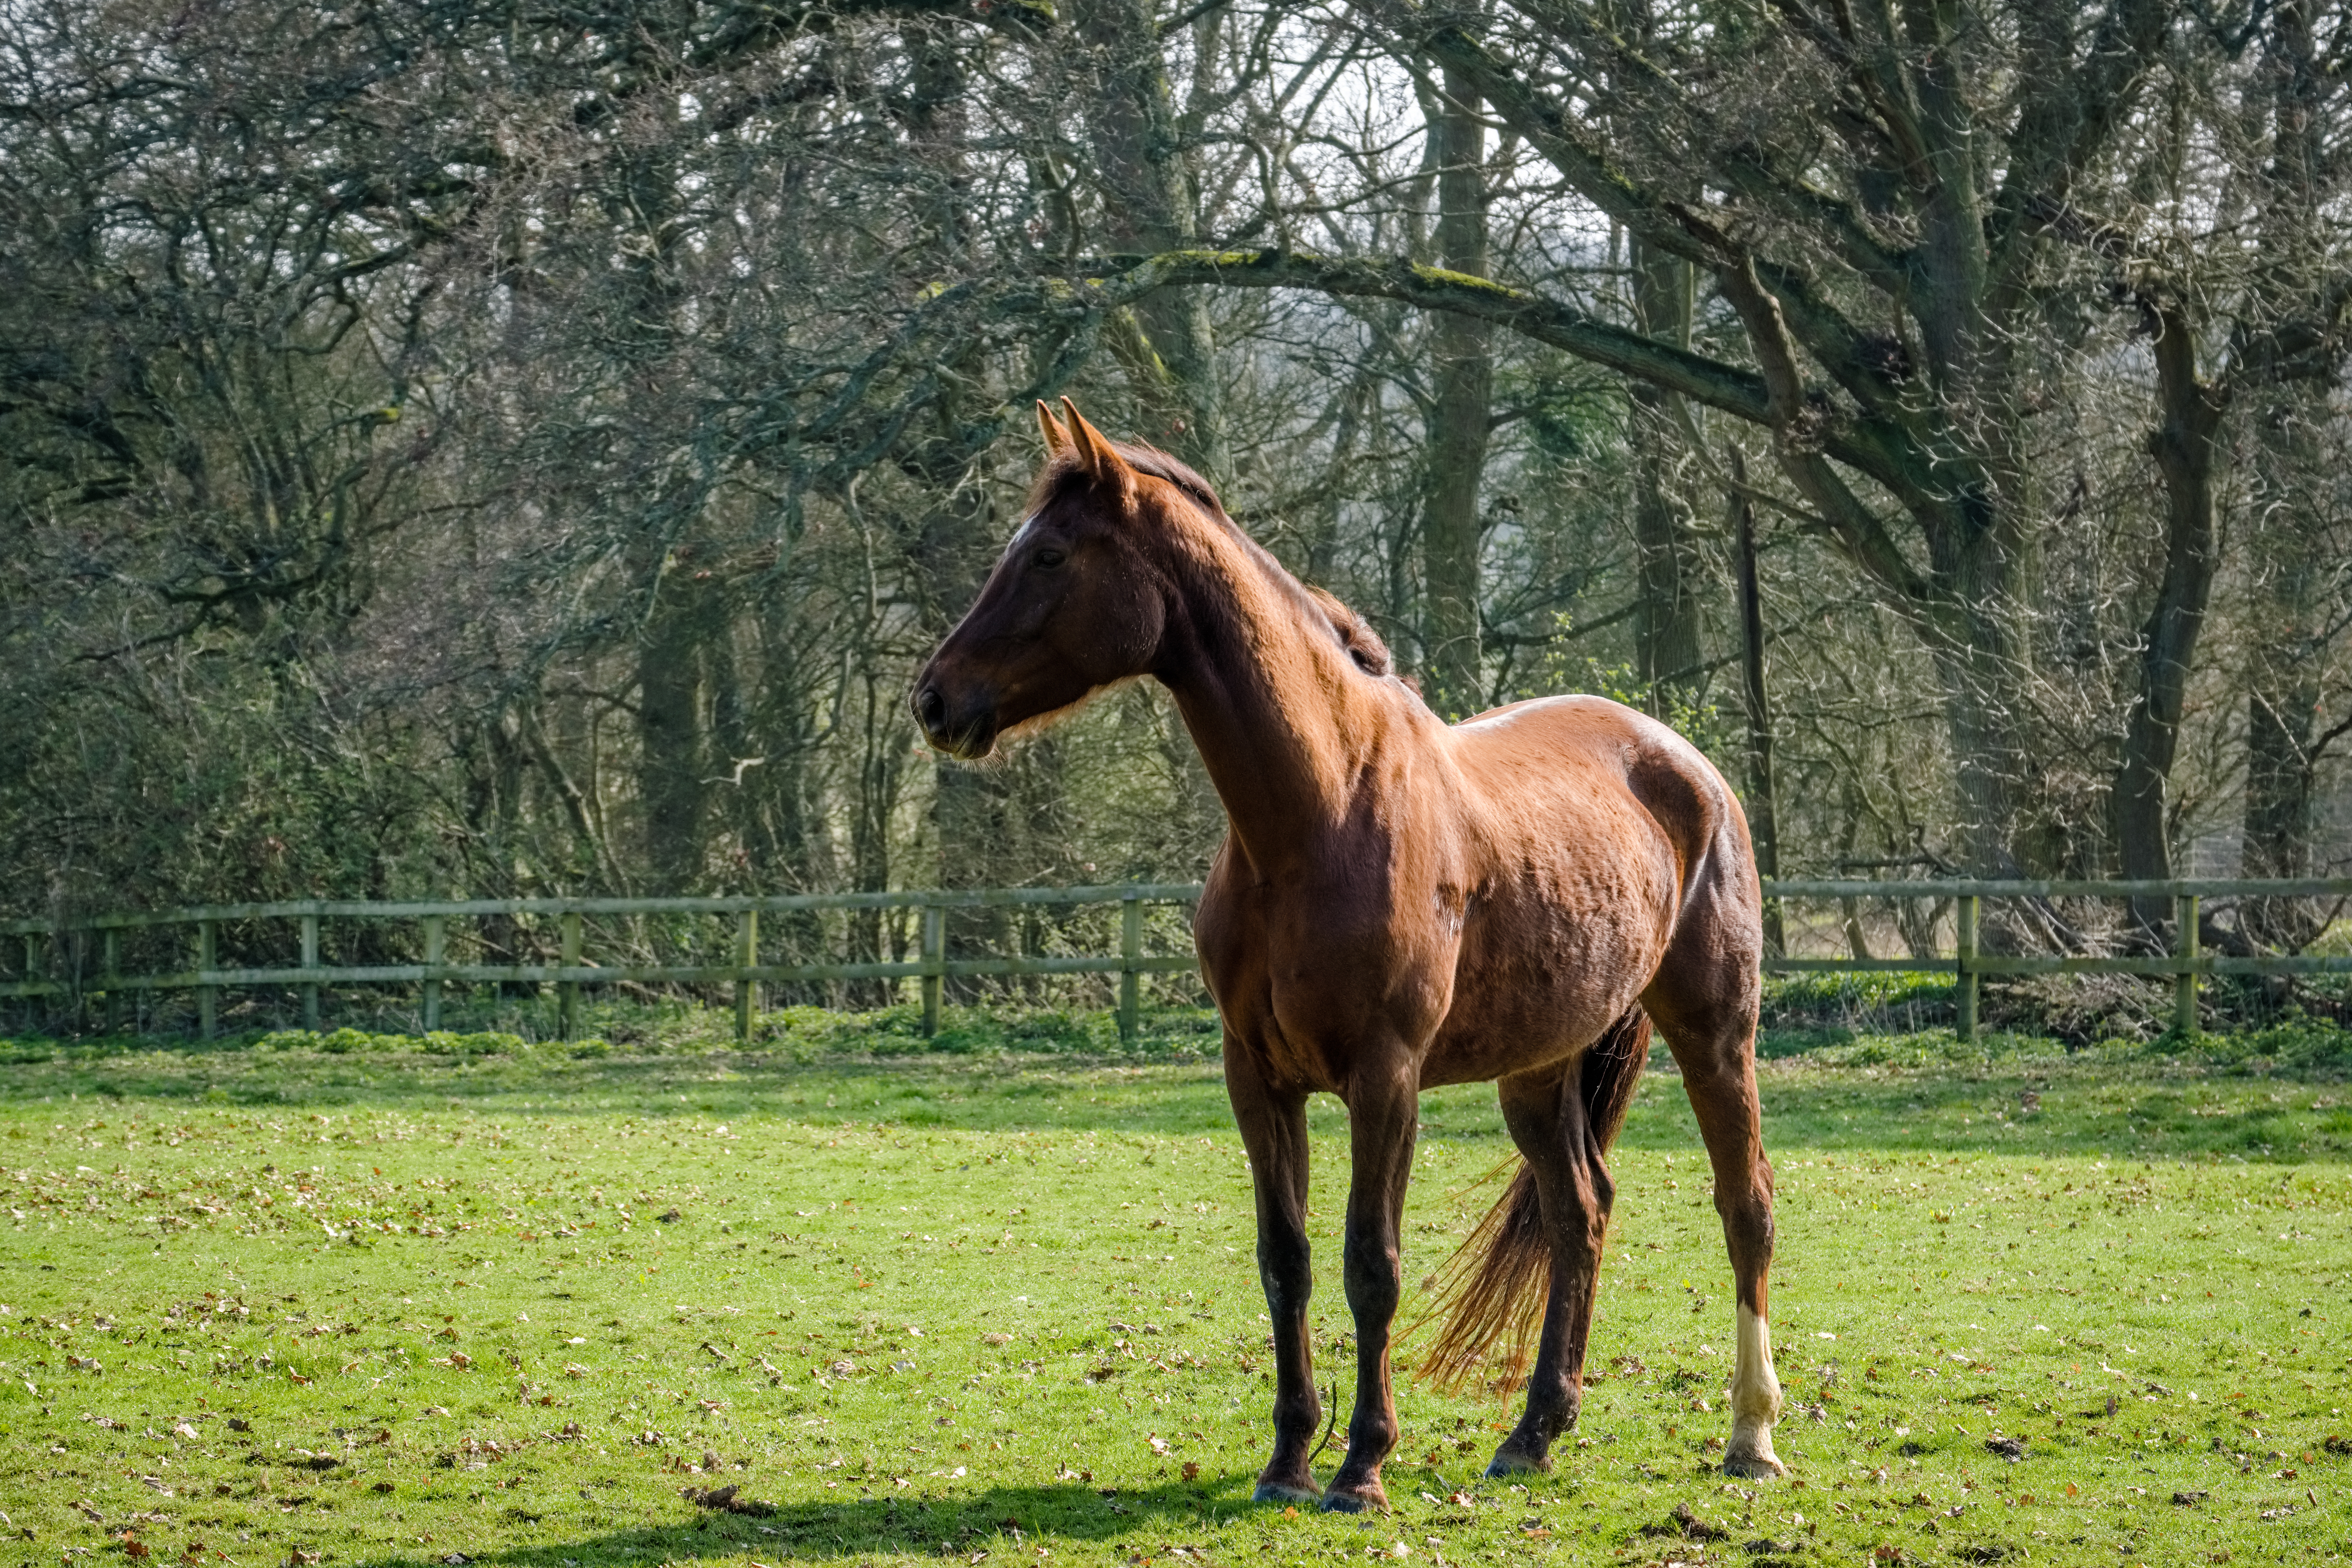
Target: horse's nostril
931	709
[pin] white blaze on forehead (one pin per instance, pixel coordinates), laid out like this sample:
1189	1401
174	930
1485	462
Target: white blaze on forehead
1022	533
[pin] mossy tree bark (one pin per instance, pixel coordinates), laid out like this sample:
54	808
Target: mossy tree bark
1459	415
1149	205
1668	566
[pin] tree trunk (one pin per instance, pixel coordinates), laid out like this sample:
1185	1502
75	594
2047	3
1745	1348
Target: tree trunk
1149	206
1666	656
1452	530
672	756
1989	761
2186	447
881	770
1763	828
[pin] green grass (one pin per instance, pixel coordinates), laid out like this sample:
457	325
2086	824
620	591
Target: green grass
439	1288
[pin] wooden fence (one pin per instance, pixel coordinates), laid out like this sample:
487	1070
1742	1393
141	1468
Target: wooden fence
45	945
104	981
2185	963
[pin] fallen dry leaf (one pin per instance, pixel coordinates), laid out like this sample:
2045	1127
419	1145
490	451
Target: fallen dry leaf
726	1500
1695	1527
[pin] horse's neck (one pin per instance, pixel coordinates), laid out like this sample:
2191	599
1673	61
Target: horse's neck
1281	718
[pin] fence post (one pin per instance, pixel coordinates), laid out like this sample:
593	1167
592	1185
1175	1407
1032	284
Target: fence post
1131	949
934	956
2184	984
436	937
109	967
1965	946
747	990
567	992
207	996
310	960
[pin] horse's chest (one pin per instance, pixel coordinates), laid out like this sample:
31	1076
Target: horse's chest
1309	991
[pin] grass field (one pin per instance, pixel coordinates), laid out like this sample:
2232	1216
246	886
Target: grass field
344	1299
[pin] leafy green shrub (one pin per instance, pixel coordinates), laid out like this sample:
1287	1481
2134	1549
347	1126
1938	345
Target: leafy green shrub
1808	1010
2304	1047
442	1043
349	1042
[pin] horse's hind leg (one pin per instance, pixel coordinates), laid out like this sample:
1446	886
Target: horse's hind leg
1705	998
1272	1122
1563	1120
1545	1115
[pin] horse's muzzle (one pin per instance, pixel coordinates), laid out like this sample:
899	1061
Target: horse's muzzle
966	730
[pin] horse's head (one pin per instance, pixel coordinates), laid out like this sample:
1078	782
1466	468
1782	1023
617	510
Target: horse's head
1075	605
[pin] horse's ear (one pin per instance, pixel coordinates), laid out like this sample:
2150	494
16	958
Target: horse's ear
1095	452
1058	440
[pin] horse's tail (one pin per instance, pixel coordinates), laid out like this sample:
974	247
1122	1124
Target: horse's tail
1492	1290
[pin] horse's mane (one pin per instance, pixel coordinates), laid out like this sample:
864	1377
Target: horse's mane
1363	645
1356	635
1065	467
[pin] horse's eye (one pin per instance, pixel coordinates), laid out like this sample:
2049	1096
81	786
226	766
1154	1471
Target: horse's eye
1048	558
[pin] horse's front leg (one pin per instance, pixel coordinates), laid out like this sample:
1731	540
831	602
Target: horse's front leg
1383	1117
1272	1122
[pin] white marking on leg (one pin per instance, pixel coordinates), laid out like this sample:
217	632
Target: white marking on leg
1755	1400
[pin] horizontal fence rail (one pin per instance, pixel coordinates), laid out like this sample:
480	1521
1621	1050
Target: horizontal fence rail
932	966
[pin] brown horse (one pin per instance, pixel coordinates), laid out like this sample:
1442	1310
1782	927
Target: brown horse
1398	904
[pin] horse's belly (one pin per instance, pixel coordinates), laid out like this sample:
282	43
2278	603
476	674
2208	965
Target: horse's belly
1522	1006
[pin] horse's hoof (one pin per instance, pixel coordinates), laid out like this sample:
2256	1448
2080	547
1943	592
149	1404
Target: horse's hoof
1276	1491
1510	1462
1752	1458
1361	1499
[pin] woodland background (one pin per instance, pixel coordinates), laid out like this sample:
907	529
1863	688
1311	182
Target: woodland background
488	447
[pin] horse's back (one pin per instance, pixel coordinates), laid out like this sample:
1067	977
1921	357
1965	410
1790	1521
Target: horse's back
1576	759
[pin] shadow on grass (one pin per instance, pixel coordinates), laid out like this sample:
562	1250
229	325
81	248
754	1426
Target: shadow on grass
1001	1091
905	1522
